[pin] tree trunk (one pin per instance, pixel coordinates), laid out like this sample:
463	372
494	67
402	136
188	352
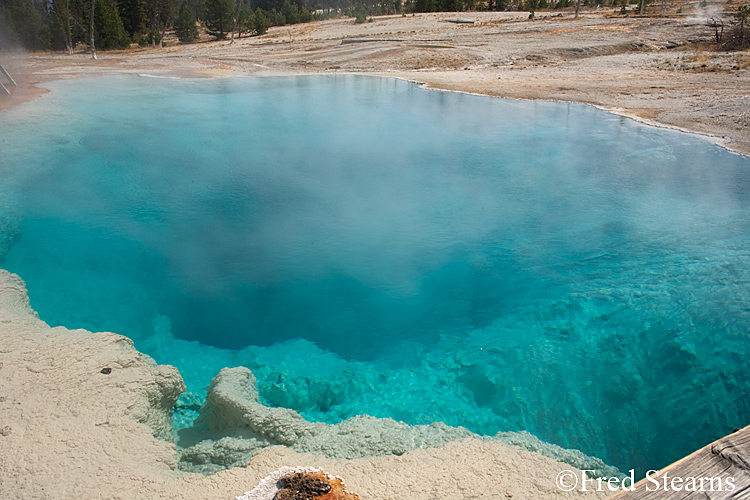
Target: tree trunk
93	47
643	6
578	7
154	28
235	12
163	32
65	26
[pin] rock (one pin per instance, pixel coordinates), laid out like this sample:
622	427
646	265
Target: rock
300	486
232	405
300	483
136	387
233	425
574	458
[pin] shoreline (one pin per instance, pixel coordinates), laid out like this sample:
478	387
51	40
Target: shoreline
33	92
659	71
712	138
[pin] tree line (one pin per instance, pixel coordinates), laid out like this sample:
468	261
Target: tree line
115	24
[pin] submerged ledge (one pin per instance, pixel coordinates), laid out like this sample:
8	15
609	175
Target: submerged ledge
82	414
233	425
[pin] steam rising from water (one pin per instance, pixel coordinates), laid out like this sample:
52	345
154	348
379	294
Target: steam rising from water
365	246
704	13
6	41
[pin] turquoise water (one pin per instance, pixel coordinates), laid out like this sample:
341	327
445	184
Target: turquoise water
368	246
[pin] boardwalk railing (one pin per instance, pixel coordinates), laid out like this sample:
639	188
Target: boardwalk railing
11	82
718	471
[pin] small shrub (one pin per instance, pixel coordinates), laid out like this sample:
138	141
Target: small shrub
260	22
739	36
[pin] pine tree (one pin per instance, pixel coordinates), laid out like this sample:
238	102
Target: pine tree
260	22
27	23
133	15
109	30
219	17
184	24
168	11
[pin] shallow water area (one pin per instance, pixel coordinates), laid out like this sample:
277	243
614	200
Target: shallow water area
367	246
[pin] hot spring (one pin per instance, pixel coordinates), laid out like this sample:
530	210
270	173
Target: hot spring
367	246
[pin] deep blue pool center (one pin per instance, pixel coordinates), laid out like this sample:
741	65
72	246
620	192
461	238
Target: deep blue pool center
368	246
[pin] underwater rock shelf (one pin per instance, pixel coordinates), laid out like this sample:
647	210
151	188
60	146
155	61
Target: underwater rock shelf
233	425
80	412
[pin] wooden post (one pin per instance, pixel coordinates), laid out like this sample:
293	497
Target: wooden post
93	47
7	75
720	467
